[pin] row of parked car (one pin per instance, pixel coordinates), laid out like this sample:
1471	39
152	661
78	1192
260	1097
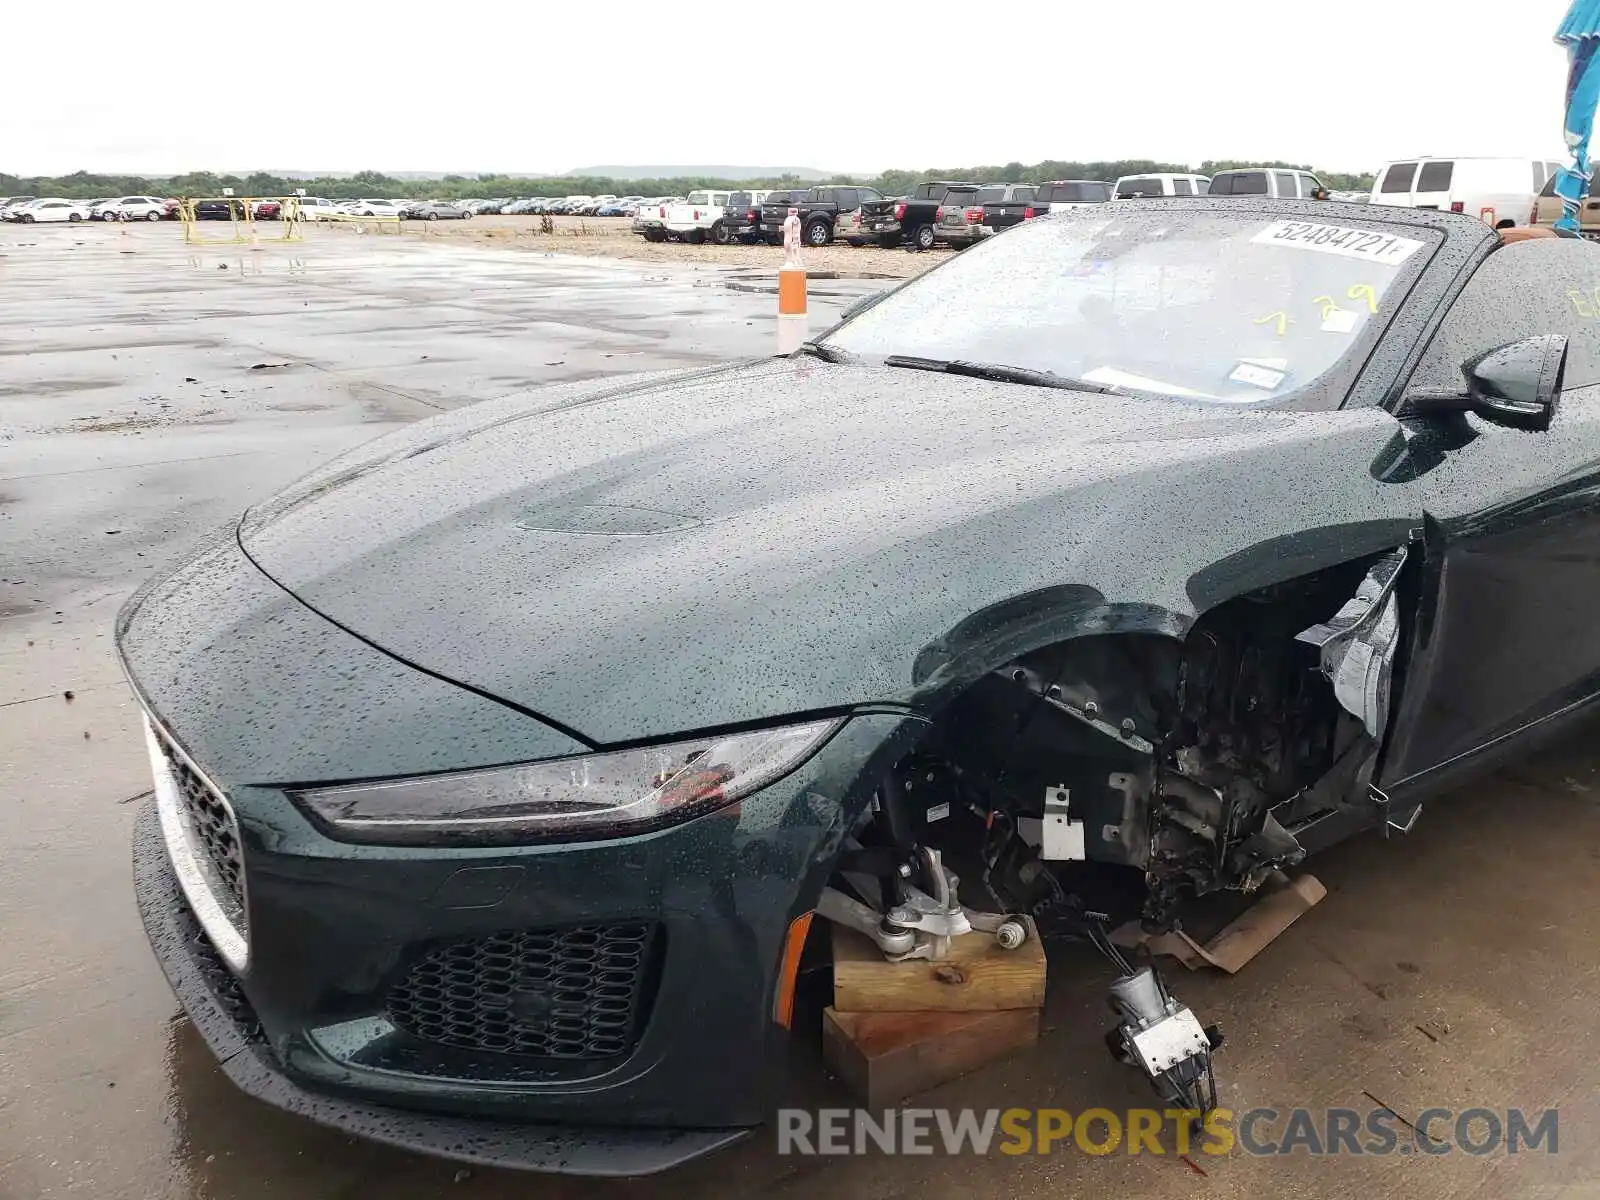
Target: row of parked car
31	209
578	206
1501	191
940	212
314	208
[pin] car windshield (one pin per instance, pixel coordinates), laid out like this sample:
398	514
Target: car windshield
1144	185
1240	183
1075	192
1234	308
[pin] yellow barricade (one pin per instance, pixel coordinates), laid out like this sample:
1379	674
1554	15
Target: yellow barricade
378	224
242	219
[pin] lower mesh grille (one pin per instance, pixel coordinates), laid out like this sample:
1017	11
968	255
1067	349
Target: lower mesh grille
580	993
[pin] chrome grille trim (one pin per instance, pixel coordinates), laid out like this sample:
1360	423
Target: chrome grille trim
206	895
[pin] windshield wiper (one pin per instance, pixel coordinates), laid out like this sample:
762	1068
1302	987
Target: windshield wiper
1000	373
827	354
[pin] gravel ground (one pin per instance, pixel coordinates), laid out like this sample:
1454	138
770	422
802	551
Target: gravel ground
610	237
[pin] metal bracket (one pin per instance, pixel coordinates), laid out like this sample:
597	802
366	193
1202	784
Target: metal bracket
921	926
1089	714
1356	646
1382	802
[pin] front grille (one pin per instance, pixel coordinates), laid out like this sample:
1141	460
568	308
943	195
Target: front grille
212	827
580	993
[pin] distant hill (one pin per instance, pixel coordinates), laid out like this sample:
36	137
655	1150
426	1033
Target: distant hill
808	174
408	175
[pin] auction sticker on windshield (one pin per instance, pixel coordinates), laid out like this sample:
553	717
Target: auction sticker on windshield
1338	239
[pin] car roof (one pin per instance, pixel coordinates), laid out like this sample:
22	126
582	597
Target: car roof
1517	158
1455	225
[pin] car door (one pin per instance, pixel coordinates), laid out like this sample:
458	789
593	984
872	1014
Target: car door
50	210
1434	180
1394	188
1508	634
1588	211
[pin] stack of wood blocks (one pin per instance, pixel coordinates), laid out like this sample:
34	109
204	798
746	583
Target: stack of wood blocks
896	1029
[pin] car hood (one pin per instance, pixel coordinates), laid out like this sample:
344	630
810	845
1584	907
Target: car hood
671	553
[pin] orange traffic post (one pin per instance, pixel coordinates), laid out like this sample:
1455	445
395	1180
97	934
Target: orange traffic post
792	320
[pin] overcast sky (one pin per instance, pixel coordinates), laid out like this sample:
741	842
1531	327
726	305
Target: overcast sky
549	85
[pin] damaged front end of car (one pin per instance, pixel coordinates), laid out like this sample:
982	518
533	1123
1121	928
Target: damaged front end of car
1098	787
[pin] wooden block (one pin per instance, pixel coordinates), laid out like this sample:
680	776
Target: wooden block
976	976
884	1057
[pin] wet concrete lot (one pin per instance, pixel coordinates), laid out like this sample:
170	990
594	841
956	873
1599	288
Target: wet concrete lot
149	391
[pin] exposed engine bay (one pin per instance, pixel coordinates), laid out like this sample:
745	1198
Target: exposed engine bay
1117	778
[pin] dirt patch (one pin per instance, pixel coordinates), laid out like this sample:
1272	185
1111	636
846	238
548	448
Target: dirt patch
136	422
612	237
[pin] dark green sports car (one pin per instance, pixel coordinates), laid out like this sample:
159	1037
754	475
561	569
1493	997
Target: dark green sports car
501	763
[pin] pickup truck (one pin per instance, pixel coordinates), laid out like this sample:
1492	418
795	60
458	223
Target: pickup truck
1008	204
649	222
1058	194
820	211
744	217
703	215
910	219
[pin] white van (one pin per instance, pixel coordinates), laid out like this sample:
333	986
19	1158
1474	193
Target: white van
1283	183
1139	187
1499	190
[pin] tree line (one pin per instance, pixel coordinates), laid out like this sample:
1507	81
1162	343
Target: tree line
86	185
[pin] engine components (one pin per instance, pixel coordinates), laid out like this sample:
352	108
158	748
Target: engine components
921	923
1162	1038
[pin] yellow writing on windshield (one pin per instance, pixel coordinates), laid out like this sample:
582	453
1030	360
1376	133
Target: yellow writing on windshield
1587	304
1365	291
1283	319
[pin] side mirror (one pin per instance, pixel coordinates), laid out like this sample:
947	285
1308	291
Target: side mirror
1517	385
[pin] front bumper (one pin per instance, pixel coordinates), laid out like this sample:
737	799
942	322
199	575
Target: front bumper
261	694
311	1024
214	1002
961	235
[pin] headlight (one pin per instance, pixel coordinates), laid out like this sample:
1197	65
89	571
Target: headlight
595	795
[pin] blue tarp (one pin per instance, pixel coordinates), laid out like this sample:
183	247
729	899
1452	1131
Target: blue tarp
1580	34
